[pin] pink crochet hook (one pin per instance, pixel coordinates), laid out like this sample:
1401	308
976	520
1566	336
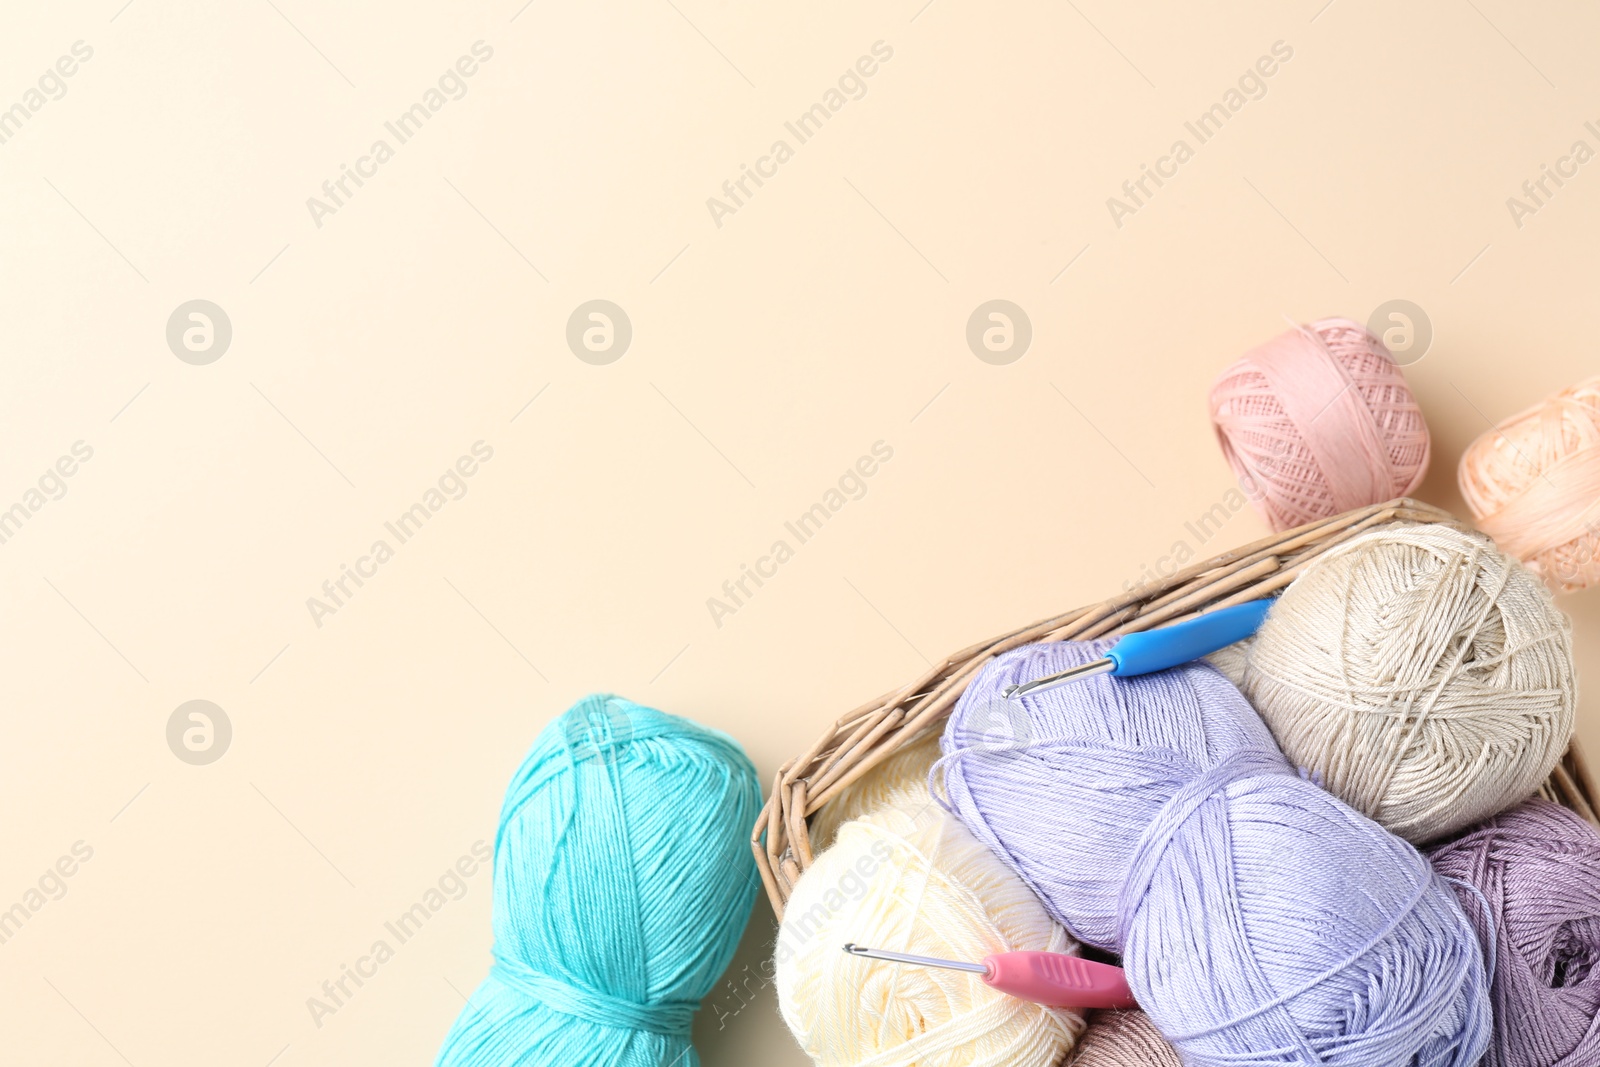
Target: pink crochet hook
1049	978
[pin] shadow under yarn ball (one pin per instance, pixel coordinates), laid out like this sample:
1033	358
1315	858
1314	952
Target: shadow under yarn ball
623	880
1537	868
1420	675
1260	919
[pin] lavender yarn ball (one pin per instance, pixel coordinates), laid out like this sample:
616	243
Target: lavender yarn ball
1537	867
1261	920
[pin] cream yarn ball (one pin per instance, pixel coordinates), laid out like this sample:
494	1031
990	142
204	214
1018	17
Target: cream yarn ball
914	881
900	779
1420	675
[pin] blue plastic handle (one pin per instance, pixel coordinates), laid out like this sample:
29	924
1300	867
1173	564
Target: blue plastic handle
1170	646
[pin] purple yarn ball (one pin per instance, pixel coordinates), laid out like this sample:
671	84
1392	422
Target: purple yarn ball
1261	920
1537	868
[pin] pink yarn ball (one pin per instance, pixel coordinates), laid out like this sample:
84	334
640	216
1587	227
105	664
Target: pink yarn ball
1317	421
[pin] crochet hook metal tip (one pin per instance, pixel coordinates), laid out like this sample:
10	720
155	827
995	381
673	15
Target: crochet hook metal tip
920	961
1051	681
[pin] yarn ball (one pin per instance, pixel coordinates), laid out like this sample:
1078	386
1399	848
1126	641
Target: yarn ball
1122	1039
1533	484
1420	675
1317	421
900	778
1231	660
622	882
1537	868
1259	918
911	879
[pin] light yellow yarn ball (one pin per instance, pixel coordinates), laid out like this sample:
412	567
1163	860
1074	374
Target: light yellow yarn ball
901	779
914	881
1420	675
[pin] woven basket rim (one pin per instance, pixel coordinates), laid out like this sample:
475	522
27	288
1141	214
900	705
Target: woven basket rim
864	738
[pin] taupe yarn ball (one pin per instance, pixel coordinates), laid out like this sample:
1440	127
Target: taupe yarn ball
1420	675
1122	1039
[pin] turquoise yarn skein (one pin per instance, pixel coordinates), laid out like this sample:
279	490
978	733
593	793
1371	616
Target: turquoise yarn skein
623	880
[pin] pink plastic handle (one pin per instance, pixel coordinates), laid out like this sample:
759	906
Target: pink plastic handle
1058	981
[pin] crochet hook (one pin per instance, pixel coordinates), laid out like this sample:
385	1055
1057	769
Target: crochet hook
1161	648
1050	978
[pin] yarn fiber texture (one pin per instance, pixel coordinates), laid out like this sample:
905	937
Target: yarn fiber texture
1420	675
909	878
1122	1039
1317	421
623	880
1533	484
1261	920
1538	870
902	779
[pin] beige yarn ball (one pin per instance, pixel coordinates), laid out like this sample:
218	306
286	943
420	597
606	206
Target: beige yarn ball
900	778
914	882
1533	484
1122	1039
1420	675
1231	660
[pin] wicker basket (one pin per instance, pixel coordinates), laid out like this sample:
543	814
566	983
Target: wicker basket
876	730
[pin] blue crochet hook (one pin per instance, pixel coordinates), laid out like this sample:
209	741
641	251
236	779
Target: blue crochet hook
1161	648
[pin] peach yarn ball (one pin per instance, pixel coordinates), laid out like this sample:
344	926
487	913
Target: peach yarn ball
1317	421
1533	484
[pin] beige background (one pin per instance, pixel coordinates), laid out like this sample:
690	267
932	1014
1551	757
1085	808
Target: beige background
768	353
